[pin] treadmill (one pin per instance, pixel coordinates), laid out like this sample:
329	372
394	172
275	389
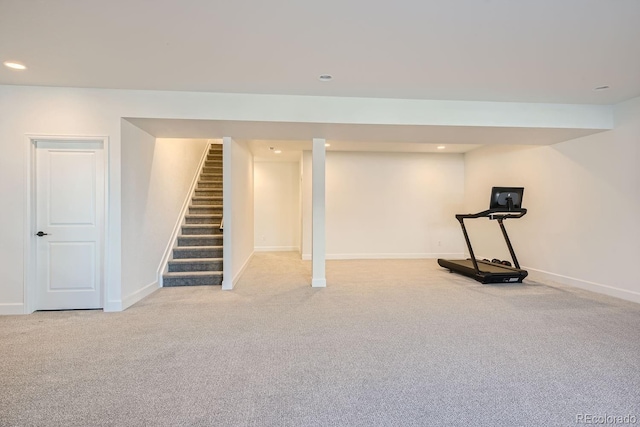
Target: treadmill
505	204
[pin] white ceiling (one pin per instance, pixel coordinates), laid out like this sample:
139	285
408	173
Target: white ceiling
552	51
534	51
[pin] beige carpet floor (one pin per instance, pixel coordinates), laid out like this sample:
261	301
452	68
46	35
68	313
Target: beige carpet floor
387	343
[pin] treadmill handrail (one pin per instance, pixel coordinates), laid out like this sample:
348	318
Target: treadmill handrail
499	215
494	214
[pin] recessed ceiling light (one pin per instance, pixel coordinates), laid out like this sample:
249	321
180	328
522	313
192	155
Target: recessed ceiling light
278	151
441	147
602	88
15	65
326	144
325	77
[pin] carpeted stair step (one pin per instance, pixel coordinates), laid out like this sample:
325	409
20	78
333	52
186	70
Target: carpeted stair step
211	177
200	240
197	256
210	184
195	264
192	278
209	192
183	252
207	200
216	170
200	229
203	218
204	209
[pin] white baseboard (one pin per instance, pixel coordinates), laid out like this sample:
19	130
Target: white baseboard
12	309
140	294
599	288
228	284
113	306
275	248
318	283
307	257
585	284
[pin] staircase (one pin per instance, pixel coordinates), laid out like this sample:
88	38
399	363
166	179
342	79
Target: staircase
197	255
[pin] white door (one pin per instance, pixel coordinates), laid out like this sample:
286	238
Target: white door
69	220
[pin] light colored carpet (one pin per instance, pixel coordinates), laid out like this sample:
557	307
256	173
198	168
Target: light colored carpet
387	343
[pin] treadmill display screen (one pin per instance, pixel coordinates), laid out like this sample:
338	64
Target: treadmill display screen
506	198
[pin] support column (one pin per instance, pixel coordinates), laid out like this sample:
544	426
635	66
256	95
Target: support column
318	241
227	193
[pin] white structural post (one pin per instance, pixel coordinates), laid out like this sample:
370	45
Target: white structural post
318	242
227	240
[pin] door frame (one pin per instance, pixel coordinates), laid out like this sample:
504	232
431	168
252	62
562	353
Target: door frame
30	256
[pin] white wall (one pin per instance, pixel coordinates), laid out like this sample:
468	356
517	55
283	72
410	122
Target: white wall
583	198
389	205
277	206
238	210
48	111
156	178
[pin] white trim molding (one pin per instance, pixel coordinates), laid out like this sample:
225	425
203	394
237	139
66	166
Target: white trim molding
584	284
10	309
276	249
140	294
307	257
113	306
226	286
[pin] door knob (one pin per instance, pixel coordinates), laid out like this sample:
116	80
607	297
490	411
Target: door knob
40	234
